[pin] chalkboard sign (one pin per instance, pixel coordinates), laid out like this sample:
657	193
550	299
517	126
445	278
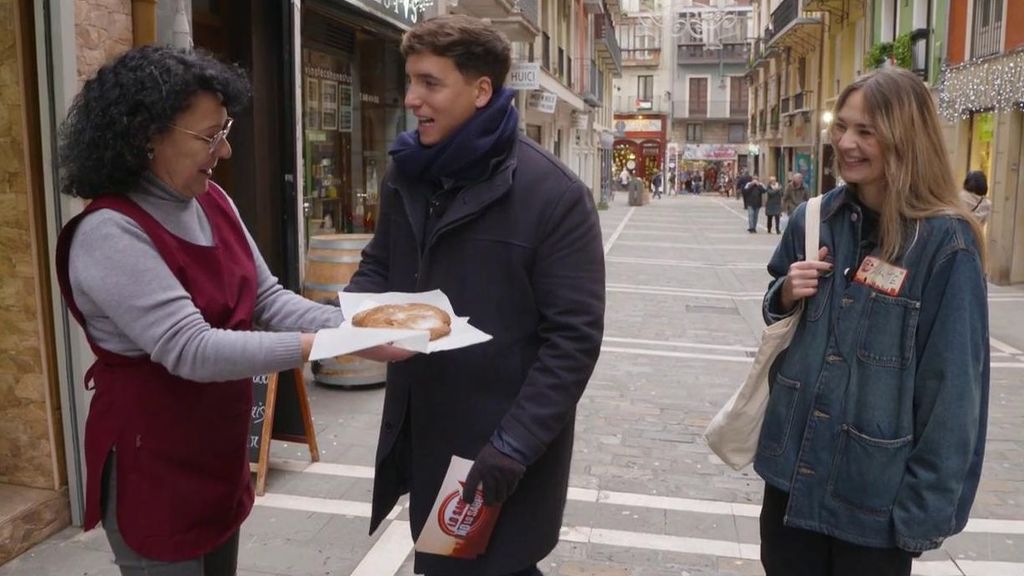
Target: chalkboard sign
280	411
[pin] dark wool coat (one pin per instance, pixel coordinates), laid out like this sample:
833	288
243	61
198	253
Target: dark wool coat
521	255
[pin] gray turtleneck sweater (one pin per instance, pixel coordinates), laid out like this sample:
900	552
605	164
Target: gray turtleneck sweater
134	306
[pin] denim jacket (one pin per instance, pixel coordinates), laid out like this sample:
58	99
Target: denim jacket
878	410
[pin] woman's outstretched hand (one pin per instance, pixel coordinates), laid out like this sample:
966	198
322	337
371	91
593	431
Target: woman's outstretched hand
802	280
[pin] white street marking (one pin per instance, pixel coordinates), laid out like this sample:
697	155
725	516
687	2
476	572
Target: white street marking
618	231
644	352
694	291
308	504
733	265
389	552
1003	346
681	344
694	246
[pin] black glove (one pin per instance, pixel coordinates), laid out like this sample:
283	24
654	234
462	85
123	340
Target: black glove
498	473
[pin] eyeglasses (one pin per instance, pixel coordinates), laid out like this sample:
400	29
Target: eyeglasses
215	140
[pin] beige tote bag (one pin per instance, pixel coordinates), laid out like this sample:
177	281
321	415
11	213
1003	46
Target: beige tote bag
734	431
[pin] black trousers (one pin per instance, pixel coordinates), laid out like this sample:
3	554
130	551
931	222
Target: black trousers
787	551
778	222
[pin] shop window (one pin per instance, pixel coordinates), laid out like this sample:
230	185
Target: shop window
982	126
353	110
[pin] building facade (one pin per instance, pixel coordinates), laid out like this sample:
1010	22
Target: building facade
982	95
35	458
682	104
787	78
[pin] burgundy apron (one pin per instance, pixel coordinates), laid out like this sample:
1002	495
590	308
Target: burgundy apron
183	482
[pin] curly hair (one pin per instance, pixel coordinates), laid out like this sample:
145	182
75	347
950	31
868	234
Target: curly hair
105	140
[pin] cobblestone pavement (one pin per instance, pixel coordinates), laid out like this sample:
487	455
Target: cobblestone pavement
684	286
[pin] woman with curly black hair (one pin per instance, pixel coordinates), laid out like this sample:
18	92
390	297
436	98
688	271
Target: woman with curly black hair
177	304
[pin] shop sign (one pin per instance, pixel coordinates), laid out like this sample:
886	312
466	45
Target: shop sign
407	11
580	120
709	152
542	102
645	125
524	76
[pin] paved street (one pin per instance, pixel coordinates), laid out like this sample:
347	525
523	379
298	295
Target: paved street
684	288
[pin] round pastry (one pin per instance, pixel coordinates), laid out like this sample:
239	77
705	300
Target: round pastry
406	316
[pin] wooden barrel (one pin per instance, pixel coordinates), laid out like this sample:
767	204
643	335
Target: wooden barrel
330	263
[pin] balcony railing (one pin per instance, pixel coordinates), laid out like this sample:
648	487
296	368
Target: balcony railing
785	14
729	53
606	42
715	109
985	37
632	103
641	56
592	88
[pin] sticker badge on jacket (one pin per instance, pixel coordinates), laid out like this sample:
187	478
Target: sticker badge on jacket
881	275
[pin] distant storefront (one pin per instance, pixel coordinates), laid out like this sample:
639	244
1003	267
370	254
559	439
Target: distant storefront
639	143
353	85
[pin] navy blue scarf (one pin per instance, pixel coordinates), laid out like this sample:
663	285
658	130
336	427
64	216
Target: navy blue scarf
465	155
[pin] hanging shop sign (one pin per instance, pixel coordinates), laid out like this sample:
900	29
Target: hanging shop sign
542	102
524	76
709	152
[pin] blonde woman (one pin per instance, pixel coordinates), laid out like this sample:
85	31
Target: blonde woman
872	443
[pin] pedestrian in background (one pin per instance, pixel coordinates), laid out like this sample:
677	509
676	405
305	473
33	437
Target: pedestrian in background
741	183
177	304
471	207
974	196
773	205
872	443
753	197
656	184
796	194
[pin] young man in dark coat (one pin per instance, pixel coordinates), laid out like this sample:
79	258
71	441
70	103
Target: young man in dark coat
473	208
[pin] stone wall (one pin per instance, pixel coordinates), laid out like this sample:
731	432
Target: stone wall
26	456
103	29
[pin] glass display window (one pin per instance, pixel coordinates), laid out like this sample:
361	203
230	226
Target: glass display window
353	92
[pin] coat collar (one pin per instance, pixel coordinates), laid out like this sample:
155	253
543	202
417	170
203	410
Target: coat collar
836	200
472	200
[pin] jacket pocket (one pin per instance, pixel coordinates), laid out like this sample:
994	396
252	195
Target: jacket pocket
778	417
867	472
888	329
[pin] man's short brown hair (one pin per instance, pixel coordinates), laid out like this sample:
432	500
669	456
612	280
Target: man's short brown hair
476	48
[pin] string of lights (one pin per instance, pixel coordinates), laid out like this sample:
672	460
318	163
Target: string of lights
983	84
